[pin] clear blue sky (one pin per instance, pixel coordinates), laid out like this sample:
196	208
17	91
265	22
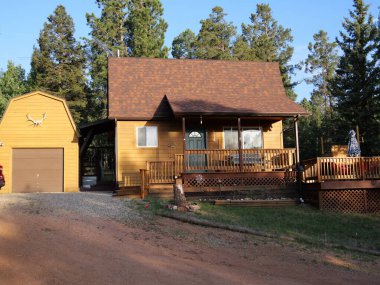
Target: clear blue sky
22	20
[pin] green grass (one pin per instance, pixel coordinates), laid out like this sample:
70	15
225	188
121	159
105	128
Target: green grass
303	223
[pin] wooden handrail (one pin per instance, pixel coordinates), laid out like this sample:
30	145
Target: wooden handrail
310	170
178	164
229	160
341	168
161	171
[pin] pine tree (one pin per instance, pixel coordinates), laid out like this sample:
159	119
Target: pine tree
183	45
12	83
124	28
58	63
264	39
355	86
215	36
146	29
108	38
320	64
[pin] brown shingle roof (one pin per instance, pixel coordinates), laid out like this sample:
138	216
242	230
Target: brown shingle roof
148	88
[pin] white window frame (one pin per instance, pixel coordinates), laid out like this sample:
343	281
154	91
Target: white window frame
242	137
137	137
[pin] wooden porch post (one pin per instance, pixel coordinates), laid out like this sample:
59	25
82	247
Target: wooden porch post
297	141
240	147
298	168
184	143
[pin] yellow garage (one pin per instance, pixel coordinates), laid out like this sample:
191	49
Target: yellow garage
39	145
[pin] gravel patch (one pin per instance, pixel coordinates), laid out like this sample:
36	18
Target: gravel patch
97	204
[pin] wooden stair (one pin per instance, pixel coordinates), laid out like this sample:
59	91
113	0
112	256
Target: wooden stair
161	191
257	203
132	192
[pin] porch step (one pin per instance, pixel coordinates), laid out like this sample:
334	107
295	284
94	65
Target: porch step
161	191
132	192
164	187
257	203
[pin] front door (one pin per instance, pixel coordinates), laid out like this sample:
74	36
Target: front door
196	139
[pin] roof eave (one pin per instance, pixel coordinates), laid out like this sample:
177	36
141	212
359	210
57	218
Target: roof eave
243	114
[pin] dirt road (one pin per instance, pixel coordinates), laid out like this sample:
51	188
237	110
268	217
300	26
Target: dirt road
96	239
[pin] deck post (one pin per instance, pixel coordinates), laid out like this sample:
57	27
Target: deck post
318	169
298	166
363	174
240	146
184	143
297	140
142	182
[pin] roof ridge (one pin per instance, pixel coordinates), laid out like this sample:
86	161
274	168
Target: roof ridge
196	60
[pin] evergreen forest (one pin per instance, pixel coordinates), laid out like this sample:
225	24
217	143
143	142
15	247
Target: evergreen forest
344	72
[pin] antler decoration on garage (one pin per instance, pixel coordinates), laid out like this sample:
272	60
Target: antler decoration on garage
36	123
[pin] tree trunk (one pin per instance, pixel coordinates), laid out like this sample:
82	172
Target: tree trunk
179	196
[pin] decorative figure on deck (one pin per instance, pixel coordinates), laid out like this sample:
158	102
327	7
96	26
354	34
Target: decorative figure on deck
353	145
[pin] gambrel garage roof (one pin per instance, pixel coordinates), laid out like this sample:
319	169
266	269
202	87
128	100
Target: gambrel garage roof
149	88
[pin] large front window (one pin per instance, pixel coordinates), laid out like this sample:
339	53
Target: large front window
147	137
252	138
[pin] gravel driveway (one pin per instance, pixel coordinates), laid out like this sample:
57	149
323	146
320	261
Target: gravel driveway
98	204
94	238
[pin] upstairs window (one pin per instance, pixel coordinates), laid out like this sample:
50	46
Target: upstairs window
147	136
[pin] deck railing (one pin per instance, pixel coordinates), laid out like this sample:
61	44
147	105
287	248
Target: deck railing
178	162
226	160
310	170
221	160
161	171
341	168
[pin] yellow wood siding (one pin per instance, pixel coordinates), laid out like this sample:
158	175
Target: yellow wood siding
273	137
57	131
131	158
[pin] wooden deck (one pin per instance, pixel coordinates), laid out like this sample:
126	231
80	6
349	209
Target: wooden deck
221	161
206	171
341	168
344	184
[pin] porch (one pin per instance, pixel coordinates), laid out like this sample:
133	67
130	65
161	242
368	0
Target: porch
218	157
345	184
222	170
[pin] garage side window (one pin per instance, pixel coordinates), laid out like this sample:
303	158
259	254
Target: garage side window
147	136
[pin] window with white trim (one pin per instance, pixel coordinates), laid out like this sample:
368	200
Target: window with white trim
251	138
147	136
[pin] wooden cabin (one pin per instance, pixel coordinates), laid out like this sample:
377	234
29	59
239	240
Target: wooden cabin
39	148
212	125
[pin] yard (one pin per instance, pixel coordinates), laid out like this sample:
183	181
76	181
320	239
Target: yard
89	238
304	223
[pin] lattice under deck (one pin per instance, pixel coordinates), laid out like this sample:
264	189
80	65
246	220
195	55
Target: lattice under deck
350	201
207	180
